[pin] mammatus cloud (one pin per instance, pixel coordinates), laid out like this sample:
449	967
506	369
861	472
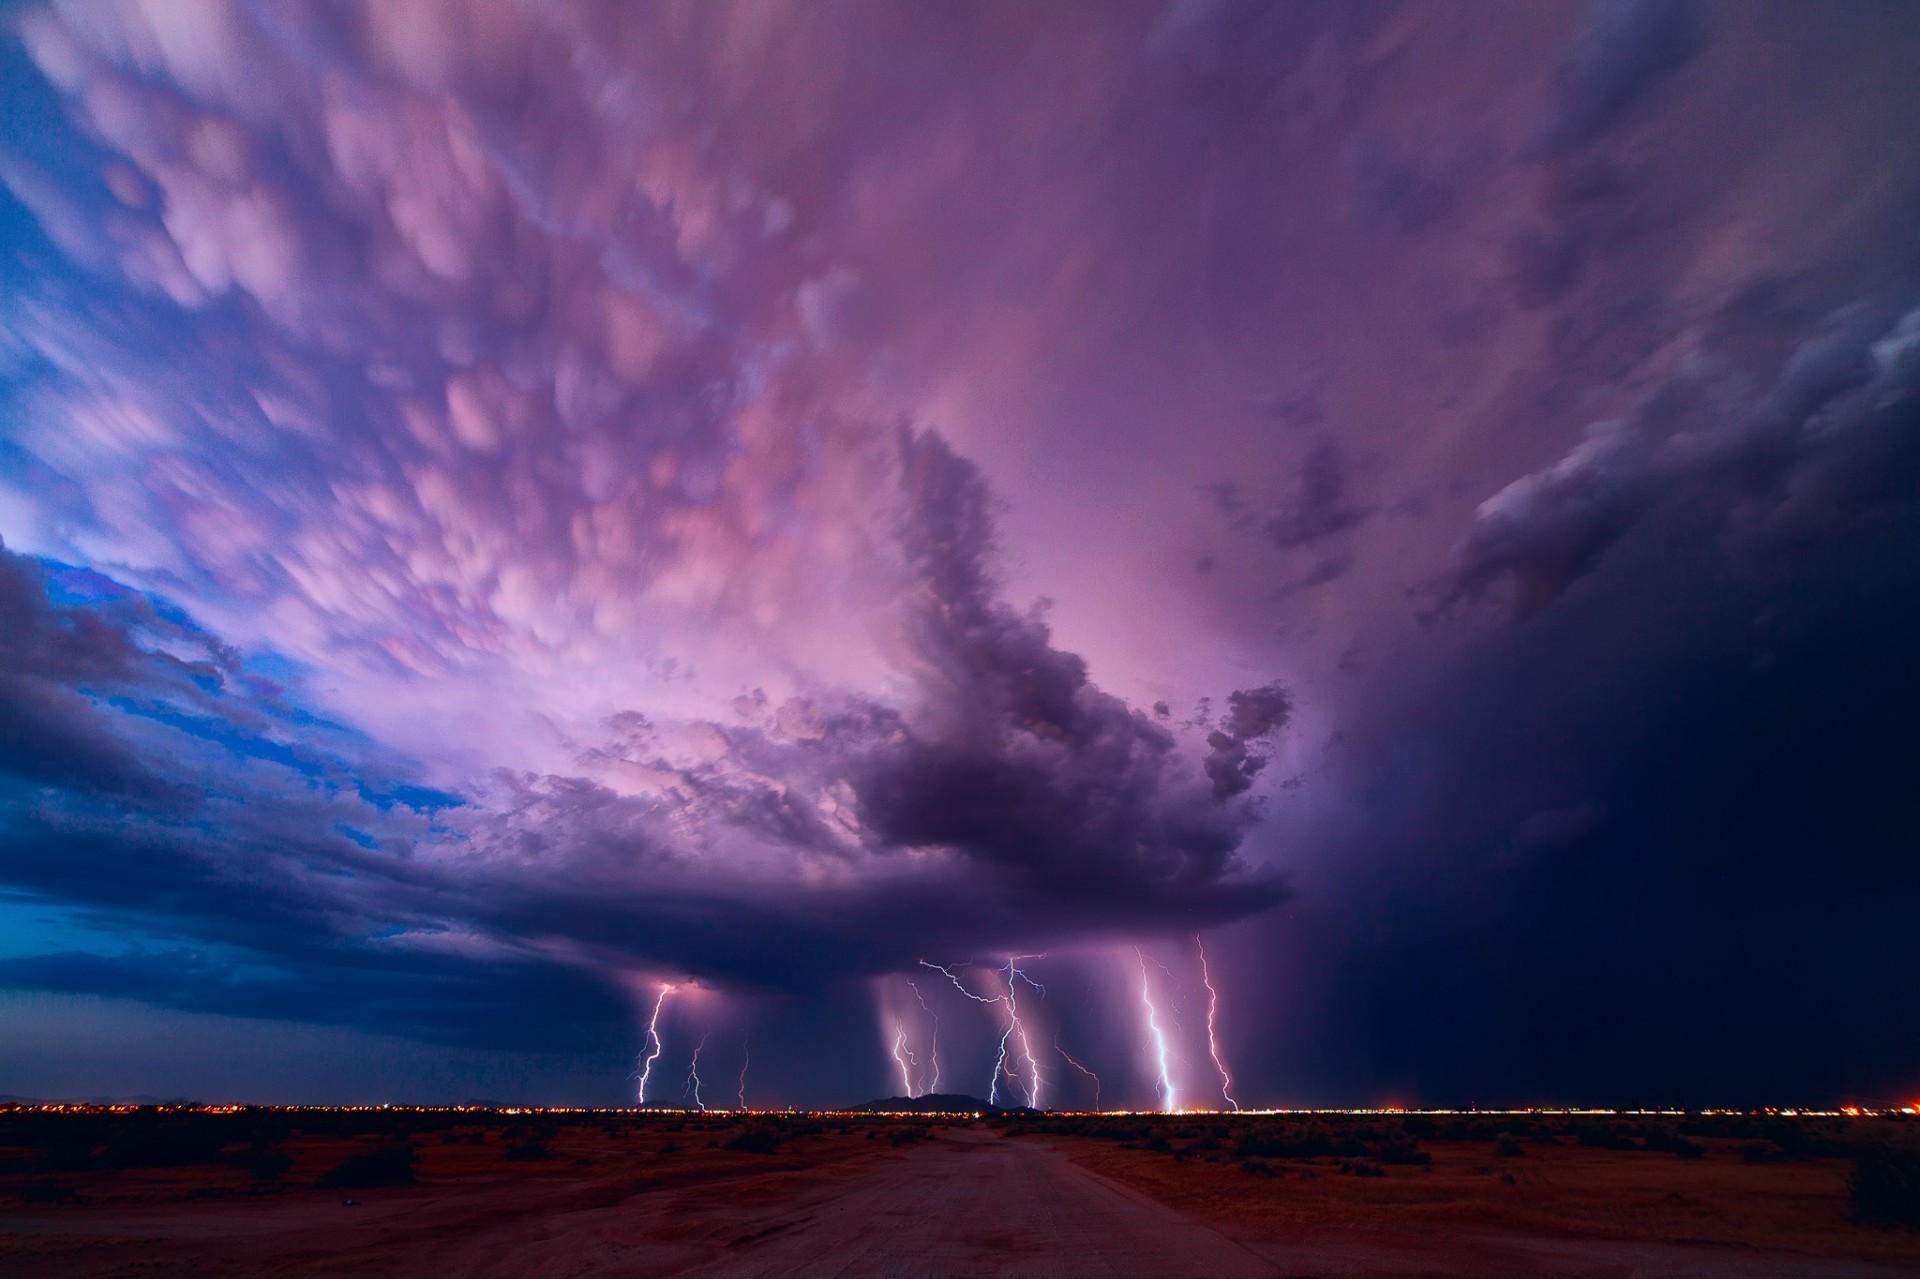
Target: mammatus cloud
438	362
178	797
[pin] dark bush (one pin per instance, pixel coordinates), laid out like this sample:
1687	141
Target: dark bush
1761	1152
170	1145
1884	1189
1398	1148
1687	1148
1421	1127
268	1165
1279	1144
1258	1167
1362	1168
1601	1137
387	1166
527	1149
1157	1143
759	1141
1508	1146
46	1192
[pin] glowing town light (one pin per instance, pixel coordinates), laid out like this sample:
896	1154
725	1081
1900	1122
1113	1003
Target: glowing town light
693	1075
933	1047
1159	1039
653	1039
1076	1064
1213	1041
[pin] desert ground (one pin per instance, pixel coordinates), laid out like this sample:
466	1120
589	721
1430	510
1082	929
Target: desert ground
156	1192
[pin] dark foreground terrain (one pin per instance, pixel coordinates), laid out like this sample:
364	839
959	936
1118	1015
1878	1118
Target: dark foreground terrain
177	1192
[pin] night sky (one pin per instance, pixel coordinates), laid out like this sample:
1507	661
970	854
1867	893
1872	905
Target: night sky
517	516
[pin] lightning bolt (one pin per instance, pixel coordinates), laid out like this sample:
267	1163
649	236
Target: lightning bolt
1015	1026
693	1074
1173	999
745	1060
1075	1063
934	1047
1159	1039
1213	1042
1001	1064
899	1043
653	1038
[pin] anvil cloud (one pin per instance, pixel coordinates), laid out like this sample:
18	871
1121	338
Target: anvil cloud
507	504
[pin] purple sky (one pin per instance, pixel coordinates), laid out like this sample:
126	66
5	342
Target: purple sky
507	505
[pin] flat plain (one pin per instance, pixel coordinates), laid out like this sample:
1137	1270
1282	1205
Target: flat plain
300	1192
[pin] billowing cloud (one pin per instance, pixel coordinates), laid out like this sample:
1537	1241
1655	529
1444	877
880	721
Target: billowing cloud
507	503
1627	50
1833	441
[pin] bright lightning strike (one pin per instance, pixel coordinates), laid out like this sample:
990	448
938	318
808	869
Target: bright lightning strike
1077	1065
745	1060
653	1039
1001	1064
933	1048
1159	1039
693	1075
1213	1042
1015	1026
900	1057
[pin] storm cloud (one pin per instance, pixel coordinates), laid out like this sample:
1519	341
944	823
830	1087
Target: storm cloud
506	505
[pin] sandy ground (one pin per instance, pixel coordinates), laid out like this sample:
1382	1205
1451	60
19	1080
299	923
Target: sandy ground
967	1203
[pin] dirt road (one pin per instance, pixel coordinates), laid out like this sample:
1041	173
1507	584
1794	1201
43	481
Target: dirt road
975	1204
979	1205
968	1202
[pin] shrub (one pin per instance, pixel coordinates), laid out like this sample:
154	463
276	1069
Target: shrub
1601	1137
1686	1148
1884	1189
527	1148
268	1165
387	1166
1398	1148
167	1145
759	1141
1362	1168
1270	1144
1508	1146
46	1192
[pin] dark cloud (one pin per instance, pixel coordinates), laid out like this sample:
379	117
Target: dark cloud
1627	50
1392	193
1253	715
1830	443
1315	506
1034	806
1653	843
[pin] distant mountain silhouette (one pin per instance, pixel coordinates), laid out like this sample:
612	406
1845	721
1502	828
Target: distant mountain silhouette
949	1103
